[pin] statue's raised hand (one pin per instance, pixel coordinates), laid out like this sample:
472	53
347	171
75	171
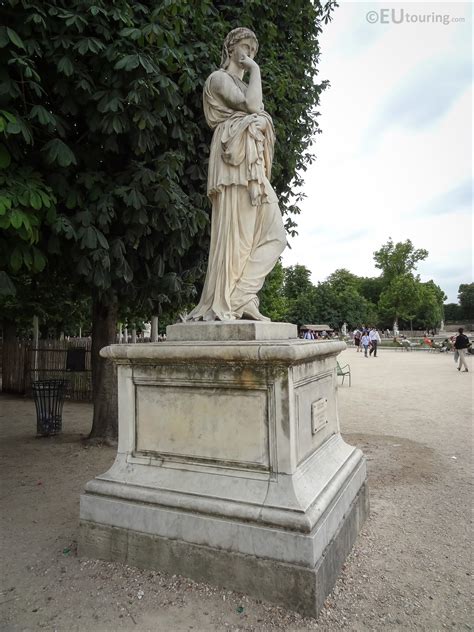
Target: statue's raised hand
247	62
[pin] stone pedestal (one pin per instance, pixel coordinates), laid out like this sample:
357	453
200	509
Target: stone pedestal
230	465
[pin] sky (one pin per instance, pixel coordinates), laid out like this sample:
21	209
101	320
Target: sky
395	156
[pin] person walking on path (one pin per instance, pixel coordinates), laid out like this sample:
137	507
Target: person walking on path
374	338
461	344
357	336
365	341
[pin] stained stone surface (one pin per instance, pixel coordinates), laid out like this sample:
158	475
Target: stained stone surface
244	330
230	459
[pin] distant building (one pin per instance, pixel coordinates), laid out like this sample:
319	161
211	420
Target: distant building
316	328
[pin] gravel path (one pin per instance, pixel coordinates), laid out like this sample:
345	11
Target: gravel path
411	567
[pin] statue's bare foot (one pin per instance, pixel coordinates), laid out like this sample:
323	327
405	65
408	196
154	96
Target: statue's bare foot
251	311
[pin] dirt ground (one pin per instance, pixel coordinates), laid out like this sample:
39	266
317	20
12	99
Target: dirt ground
411	568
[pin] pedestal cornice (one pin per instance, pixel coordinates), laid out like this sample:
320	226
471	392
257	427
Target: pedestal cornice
272	352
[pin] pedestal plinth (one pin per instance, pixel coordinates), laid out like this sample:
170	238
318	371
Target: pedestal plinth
230	466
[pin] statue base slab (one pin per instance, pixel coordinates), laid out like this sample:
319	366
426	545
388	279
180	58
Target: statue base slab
243	330
230	468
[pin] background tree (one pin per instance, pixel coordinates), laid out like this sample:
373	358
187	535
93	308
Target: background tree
466	301
27	203
273	302
299	292
430	311
339	300
452	312
336	308
398	259
400	297
105	104
400	300
59	307
102	111
371	288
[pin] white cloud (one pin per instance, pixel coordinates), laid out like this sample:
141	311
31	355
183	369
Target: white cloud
457	198
379	167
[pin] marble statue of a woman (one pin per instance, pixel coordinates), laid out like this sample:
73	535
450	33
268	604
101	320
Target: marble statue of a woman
247	232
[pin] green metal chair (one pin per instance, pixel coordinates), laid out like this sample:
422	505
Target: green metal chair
342	371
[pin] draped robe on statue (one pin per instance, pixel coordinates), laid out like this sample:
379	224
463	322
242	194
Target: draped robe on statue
247	232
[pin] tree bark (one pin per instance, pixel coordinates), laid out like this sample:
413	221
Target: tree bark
154	329
35	347
104	373
9	330
8	355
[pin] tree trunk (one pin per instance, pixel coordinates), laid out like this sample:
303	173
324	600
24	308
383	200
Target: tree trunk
154	329
9	330
9	357
35	347
104	373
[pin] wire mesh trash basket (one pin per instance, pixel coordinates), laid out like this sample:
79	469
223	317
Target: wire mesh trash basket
49	400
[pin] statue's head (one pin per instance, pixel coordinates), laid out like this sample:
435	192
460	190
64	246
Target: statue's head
231	41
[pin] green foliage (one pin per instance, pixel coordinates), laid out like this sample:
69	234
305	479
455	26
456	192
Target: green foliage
101	114
464	310
430	311
371	288
466	300
297	281
401	298
341	280
105	101
339	304
452	312
273	302
333	302
398	259
344	301
302	309
60	307
101	107
402	294
299	293
345	297
26	204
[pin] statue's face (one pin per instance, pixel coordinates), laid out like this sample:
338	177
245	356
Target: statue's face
245	46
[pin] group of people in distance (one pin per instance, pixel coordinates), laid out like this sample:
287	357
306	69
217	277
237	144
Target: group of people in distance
366	339
308	334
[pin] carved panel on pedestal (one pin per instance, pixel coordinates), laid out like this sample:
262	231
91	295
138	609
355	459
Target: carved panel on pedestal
204	422
316	413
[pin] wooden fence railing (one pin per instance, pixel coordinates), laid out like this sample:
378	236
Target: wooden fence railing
22	364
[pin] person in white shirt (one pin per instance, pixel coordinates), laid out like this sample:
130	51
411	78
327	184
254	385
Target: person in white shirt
374	339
